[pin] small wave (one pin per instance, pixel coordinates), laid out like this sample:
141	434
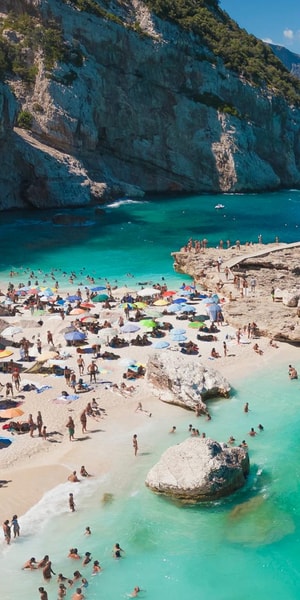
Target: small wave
124	202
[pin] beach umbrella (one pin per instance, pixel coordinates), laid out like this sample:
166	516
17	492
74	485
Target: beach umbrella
88	319
179	300
98	288
160	344
140	305
87	305
169	293
34	290
161	302
11	413
4	442
187	308
68	329
5	353
77	311
129	327
186	292
178	331
100	298
178	338
47	292
148	323
11	331
73	298
75	336
173	308
108	331
128	305
148	292
195	324
45	299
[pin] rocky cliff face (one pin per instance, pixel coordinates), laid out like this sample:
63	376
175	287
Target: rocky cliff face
137	116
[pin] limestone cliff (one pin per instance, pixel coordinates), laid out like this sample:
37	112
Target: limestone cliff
137	113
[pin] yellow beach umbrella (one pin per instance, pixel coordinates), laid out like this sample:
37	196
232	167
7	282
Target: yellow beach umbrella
161	302
5	353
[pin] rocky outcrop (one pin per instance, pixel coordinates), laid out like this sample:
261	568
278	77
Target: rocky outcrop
274	266
135	115
185	383
199	470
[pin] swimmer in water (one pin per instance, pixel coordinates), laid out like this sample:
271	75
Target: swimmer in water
117	550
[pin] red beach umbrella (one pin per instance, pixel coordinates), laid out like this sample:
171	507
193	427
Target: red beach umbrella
169	293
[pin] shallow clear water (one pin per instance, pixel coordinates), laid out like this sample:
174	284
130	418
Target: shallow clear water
245	546
242	547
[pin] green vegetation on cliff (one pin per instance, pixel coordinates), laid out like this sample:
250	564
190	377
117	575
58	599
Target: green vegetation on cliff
241	52
23	36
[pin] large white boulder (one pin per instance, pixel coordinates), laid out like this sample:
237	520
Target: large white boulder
199	470
185	383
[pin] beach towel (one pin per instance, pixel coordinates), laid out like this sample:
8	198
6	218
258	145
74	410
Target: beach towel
41	389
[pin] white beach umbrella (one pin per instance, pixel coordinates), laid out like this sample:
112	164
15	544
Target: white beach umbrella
148	292
11	331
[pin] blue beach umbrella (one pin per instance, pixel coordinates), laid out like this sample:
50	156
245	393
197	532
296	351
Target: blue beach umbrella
75	336
173	308
179	338
73	298
187	292
187	308
178	331
179	301
98	288
129	328
160	345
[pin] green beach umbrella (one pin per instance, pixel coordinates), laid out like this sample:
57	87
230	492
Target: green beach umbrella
100	298
148	323
140	305
195	324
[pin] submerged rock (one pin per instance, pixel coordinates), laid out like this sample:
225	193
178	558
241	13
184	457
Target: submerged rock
199	470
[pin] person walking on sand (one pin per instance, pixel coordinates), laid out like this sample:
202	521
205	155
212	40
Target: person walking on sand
83	421
50	338
16	380
71	428
39	423
31	424
135	444
81	364
71	502
92	370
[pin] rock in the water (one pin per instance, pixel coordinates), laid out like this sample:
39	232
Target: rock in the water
199	470
185	383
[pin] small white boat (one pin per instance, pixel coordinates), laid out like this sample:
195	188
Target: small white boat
218	206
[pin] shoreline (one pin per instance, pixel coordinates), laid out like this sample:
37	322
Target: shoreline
46	464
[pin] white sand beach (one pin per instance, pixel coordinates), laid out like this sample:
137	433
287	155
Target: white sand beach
31	465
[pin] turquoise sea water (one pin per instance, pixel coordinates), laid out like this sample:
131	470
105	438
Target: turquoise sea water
138	237
243	547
